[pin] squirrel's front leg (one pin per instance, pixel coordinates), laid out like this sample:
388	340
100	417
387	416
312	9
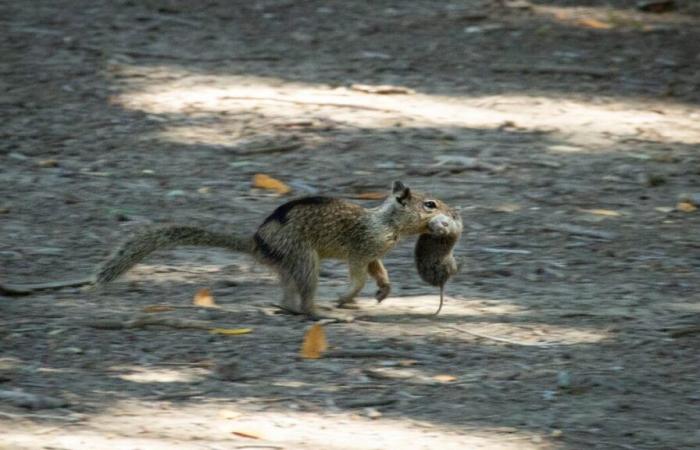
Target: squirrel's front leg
377	271
358	278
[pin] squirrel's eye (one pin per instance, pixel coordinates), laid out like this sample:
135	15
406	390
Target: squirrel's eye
430	204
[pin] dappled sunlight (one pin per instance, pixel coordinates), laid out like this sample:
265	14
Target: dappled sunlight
137	374
128	425
467	319
592	125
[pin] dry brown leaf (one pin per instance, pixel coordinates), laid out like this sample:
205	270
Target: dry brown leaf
314	342
444	378
601	212
262	181
204	298
370	196
686	207
594	23
250	434
157	308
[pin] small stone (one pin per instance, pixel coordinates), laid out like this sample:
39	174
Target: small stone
176	193
71	350
230	371
549	395
372	413
17	156
48	163
563	379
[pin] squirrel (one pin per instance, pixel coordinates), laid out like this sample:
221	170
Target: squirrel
433	253
292	240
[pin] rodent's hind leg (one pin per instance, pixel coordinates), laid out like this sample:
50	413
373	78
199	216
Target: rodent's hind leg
358	278
290	295
304	272
377	271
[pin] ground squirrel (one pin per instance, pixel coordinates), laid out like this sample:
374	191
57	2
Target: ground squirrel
433	254
292	240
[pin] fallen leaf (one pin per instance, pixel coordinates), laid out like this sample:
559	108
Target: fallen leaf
686	207
230	331
601	212
204	298
247	434
594	23
370	196
444	378
157	308
262	181
314	342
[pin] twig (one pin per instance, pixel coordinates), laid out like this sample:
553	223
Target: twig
31	401
581	231
685	331
499	339
154	55
299	102
566	70
16	290
274	447
179	395
274	148
368	354
504	250
145	321
39	416
367	402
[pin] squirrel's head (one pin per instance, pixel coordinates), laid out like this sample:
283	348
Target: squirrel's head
418	213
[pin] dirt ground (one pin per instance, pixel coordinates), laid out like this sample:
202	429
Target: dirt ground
568	131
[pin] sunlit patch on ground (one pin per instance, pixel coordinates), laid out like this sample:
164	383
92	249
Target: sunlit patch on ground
130	425
494	322
592	125
159	375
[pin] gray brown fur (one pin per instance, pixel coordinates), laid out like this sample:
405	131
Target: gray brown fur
433	253
297	236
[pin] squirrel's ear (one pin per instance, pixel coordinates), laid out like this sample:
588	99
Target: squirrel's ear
401	192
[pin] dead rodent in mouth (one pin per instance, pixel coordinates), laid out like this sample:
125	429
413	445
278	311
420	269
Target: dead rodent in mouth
433	254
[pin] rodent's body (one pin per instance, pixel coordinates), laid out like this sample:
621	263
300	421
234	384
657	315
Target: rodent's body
294	239
435	261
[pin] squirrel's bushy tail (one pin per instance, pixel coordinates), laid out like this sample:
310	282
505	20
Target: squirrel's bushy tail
143	244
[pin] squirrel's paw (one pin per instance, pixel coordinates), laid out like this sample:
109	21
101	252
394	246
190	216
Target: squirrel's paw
382	292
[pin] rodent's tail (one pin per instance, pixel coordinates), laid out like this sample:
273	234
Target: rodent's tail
143	244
